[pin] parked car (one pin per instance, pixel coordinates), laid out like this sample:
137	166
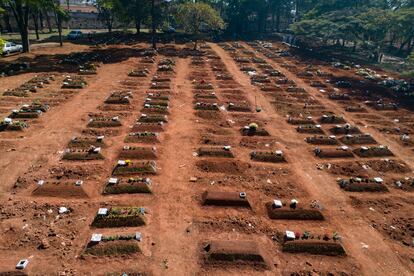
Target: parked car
168	30
11	47
74	35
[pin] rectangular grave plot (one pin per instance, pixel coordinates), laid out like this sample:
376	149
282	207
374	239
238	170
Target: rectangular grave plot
358	139
270	157
215	152
233	252
153	118
345	129
141	153
120	217
155	109
310	129
331	119
232	199
160	86
300	121
13	126
60	190
81	155
118	245
206	106
148	127
253	131
118	100
268	88
104	122
142	137
322	140
316	247
239	107
285	213
374	151
25	114
152	101
333	153
86	142
129	186
144	167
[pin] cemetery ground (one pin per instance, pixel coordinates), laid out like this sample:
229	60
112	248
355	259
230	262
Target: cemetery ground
236	159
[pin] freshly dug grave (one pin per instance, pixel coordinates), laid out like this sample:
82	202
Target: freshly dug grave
322	140
300	121
234	199
129	186
150	127
358	139
120	217
104	122
60	189
233	252
142	137
331	119
153	118
74	154
144	167
339	129
265	156
316	247
25	114
310	129
248	131
239	107
155	109
380	151
333	153
293	214
215	152
110	247
362	185
142	153
86	142
206	106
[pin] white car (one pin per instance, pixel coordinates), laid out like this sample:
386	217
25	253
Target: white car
11	47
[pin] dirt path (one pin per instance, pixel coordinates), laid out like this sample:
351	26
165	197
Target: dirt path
174	193
349	223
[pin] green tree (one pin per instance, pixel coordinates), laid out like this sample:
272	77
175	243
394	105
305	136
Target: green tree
196	17
107	9
2	43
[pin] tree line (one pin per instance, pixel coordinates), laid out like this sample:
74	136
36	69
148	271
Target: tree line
378	25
